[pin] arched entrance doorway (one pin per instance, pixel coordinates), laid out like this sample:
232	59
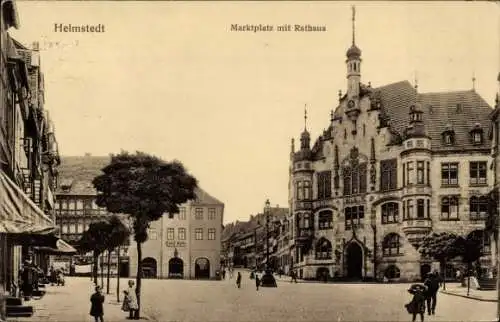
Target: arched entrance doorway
149	267
322	273
202	268
354	261
175	268
424	270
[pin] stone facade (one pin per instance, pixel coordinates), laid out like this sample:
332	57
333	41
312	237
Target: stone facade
188	245
393	166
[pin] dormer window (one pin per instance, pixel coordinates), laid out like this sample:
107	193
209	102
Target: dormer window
477	134
477	138
448	135
415	114
448	138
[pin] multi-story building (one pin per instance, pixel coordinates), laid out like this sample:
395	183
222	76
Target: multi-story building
187	245
394	165
76	206
245	245
28	156
494	195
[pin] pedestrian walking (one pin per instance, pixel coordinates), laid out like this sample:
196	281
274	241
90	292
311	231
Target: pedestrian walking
432	283
257	281
293	275
238	280
133	312
96	307
223	273
417	304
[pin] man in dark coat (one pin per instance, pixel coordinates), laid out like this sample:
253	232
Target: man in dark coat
432	282
96	307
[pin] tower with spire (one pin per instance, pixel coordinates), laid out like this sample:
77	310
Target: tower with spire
305	137
353	63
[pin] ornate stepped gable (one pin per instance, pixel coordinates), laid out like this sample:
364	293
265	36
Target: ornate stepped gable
463	110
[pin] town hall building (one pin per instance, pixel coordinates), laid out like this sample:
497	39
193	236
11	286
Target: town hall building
394	165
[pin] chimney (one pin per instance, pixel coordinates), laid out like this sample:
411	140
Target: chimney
87	154
459	108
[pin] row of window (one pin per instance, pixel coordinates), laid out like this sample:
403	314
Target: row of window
355	177
392	245
182	232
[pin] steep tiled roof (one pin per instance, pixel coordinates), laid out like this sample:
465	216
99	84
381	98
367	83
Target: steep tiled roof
204	198
78	173
439	110
243	227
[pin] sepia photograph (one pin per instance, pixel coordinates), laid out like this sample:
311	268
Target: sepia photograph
249	161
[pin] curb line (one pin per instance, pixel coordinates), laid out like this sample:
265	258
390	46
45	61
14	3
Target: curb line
469	297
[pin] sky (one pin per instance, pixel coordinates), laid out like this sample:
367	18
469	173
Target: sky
173	80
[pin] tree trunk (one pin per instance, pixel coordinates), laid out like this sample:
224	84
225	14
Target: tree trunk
109	268
94	269
118	262
444	274
468	277
102	271
139	277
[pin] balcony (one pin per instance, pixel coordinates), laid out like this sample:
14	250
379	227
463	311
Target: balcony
324	203
304	234
417	226
303	205
417	190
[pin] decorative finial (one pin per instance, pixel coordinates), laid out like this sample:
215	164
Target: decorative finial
331	116
473	80
340	94
305	117
416	80
353	25
370	84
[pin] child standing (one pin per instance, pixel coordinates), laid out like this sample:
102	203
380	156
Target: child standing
417	304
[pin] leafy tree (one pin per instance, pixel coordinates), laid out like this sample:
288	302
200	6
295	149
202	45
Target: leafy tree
470	250
491	224
441	247
94	240
145	188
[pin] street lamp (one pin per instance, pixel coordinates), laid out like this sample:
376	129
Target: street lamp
268	278
373	223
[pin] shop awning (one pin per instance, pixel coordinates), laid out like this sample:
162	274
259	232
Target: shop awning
18	213
60	248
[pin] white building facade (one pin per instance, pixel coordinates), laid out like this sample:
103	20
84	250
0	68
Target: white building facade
186	246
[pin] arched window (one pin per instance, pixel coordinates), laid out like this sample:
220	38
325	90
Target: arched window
323	249
390	213
478	207
325	219
391	245
392	271
484	238
449	208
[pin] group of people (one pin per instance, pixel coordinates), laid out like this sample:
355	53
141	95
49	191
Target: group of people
31	276
130	303
424	297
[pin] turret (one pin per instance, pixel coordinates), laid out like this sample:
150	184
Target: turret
353	63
